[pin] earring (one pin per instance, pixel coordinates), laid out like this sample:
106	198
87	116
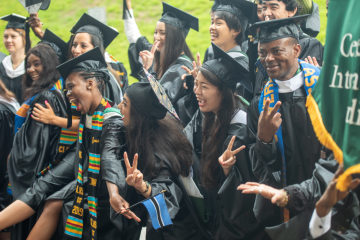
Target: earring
89	87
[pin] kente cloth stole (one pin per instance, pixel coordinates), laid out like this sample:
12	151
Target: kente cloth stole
271	91
74	223
21	114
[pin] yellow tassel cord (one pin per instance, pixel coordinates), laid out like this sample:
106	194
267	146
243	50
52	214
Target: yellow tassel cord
326	140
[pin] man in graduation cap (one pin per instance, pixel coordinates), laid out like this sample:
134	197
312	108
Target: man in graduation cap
284	147
279	9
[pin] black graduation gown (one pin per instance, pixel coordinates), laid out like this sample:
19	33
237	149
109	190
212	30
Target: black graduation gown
302	148
231	214
112	90
303	197
61	183
122	73
7	128
12	84
182	100
309	47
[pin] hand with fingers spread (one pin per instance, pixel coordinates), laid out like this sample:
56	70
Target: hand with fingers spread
35	24
193	72
134	177
228	158
44	115
269	122
332	195
275	195
312	61
148	57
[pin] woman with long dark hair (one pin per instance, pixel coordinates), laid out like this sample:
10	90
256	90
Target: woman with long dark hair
163	156
219	168
12	67
8	109
78	180
163	59
36	145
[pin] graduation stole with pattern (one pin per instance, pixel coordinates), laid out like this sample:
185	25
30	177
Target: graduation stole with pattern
74	223
271	91
21	114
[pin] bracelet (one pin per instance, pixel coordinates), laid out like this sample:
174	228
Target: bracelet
287	197
146	190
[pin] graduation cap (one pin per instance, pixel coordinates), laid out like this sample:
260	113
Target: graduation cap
278	28
33	6
228	70
178	18
45	5
14	21
150	99
244	10
60	47
215	5
92	60
88	24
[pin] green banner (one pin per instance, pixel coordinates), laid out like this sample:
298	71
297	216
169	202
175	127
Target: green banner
334	105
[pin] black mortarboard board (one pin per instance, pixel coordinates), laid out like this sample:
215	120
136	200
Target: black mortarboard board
32	6
89	24
178	18
228	70
242	9
93	57
60	47
14	21
278	28
215	5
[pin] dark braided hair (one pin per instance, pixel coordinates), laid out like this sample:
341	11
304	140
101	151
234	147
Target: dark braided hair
100	76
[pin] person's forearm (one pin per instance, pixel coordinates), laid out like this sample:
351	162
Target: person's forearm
16	212
112	189
131	29
142	190
62	122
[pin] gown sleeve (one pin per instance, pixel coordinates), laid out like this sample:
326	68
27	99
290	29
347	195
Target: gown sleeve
35	145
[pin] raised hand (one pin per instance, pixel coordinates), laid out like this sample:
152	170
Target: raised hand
134	176
332	195
228	158
275	195
148	57
35	24
312	61
269	122
44	115
193	72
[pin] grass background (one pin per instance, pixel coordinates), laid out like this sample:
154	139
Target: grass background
63	14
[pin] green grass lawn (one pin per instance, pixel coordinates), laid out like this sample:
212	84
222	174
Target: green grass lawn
63	14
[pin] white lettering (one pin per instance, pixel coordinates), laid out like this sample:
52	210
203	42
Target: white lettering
351	112
334	78
342	44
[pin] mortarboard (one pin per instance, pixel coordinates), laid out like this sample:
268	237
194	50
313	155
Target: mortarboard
228	70
60	47
14	21
33	6
178	18
278	28
92	60
89	24
215	5
244	10
150	99
45	5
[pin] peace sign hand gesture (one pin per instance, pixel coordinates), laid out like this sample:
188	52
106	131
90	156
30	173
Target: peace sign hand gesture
148	57
193	72
228	158
134	176
269	122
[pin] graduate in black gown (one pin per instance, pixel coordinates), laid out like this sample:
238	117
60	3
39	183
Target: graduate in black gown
309	46
162	158
283	145
322	211
12	67
36	145
218	168
163	59
8	109
85	77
